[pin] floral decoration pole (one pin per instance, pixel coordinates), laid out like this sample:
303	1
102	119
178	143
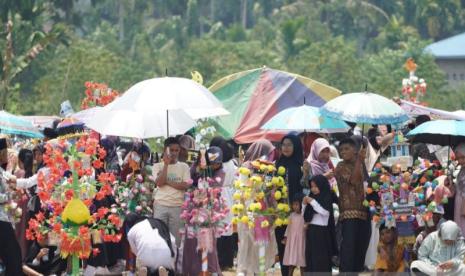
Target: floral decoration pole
67	192
203	212
261	202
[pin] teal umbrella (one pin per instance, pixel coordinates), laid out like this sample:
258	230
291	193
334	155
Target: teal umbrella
365	108
439	132
11	124
305	118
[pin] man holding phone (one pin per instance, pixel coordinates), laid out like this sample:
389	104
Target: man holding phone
172	179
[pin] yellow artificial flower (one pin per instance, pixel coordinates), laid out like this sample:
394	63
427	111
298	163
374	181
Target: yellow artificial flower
257	180
246	195
275	180
76	212
245	219
235	220
277	195
281	170
284	189
271	168
263	167
269	184
286	221
237	184
261	195
237	196
251	224
284	195
278	222
280	181
244	171
265	224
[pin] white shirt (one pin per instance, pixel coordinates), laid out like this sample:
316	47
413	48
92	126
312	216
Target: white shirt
321	215
150	248
167	195
26	183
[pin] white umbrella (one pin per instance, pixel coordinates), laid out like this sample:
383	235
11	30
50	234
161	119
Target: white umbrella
170	94
136	124
86	114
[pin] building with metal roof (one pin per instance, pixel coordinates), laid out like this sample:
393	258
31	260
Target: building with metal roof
450	56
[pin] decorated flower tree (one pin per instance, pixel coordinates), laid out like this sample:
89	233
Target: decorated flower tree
204	211
98	94
406	199
413	88
261	202
133	196
67	192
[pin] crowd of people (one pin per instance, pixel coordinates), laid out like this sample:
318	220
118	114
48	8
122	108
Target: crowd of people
331	227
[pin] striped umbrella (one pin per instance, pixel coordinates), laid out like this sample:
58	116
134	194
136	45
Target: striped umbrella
253	97
12	124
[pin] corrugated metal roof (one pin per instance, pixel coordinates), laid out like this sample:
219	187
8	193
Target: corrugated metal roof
449	48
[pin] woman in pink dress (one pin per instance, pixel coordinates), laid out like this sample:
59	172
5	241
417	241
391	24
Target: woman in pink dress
294	238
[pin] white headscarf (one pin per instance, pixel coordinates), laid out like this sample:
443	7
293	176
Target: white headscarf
450	231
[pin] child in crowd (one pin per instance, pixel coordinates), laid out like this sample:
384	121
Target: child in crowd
390	253
294	238
320	235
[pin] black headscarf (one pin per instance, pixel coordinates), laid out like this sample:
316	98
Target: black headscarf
293	165
324	198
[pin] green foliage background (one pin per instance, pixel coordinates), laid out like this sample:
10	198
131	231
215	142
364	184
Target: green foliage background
346	44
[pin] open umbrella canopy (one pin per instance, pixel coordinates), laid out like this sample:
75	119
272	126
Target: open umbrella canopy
167	93
440	132
12	124
365	108
255	96
305	118
143	125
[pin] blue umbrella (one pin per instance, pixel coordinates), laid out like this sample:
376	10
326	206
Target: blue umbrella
11	124
365	108
439	132
305	118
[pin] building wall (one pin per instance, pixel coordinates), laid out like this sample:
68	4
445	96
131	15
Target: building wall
454	69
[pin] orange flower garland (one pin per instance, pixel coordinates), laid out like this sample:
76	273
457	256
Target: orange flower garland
98	94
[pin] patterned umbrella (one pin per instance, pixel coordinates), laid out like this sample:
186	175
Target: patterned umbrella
12	124
305	118
365	108
253	97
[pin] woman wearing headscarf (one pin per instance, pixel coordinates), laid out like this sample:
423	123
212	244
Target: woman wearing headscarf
260	149
319	160
247	253
320	244
292	160
459	209
227	244
442	252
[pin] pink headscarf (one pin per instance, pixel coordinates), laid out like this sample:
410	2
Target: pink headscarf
317	166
